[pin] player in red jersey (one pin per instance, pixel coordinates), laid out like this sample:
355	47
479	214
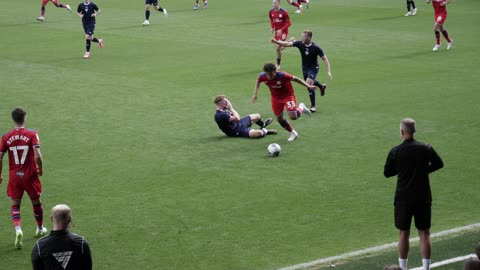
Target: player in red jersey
282	95
440	8
205	4
25	166
56	3
279	21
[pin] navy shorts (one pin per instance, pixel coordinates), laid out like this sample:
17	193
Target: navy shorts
89	29
151	2
310	72
422	213
243	128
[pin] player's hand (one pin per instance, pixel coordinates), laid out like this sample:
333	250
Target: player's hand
330	75
311	87
254	99
80	15
93	15
273	40
39	171
279	32
444	3
273	30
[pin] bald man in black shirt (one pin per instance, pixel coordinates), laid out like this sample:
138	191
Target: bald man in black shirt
61	249
412	161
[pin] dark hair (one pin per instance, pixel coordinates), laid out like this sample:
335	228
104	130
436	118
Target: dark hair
477	250
472	264
269	67
309	33
18	116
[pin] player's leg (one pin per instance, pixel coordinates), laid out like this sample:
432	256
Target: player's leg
34	191
403	220
436	30
147	12
205	4
278	49
257	119
423	218
60	5
159	8
414	12
15	215
446	36
409	11
195	7
42	11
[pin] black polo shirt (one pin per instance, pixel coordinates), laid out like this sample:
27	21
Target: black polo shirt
412	161
61	250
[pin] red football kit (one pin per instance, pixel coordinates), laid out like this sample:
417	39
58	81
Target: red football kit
19	144
440	11
279	20
45	2
281	90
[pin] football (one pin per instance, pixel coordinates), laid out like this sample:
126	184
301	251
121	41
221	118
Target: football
274	149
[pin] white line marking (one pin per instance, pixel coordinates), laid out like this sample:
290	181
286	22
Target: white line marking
449	261
376	249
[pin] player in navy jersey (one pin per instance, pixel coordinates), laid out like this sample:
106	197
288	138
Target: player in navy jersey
56	3
88	11
310	53
149	3
229	121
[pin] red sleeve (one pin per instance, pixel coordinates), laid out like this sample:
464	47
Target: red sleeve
287	21
260	78
271	20
3	148
35	139
288	76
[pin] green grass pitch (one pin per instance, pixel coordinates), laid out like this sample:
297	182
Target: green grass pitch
130	143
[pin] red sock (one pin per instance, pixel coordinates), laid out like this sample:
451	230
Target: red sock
15	214
445	34
295	4
286	125
42	11
38	214
437	36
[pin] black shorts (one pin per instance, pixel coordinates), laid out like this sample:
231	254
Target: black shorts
151	2
89	29
422	213
310	72
243	128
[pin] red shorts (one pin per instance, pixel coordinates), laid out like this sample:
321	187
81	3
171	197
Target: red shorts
17	186
278	105
45	2
283	36
440	18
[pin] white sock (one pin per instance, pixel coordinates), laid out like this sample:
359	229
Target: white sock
40	227
264	131
403	263
426	264
18	229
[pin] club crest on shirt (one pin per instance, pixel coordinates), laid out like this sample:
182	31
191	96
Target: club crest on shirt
86	9
279	82
280	15
306	52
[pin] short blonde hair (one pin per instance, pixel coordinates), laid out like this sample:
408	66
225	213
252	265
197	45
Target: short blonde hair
408	125
61	214
218	98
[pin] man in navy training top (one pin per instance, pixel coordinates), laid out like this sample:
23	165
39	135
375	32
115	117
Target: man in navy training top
229	121
88	11
310	53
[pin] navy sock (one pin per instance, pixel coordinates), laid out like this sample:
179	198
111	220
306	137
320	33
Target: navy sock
147	14
311	95
95	40
408	5
89	43
260	123
317	84
160	9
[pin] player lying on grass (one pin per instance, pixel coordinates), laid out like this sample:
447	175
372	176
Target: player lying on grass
229	121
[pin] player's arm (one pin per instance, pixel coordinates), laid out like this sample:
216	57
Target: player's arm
446	2
272	24
97	11
389	169
434	160
302	82
255	92
38	159
327	66
234	116
288	24
36	260
282	43
79	11
1	159
429	1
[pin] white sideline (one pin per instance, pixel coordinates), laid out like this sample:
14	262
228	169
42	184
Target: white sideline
376	249
449	261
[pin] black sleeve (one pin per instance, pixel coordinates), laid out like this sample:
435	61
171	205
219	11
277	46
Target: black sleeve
390	165
296	43
79	9
320	52
87	256
434	160
95	7
36	260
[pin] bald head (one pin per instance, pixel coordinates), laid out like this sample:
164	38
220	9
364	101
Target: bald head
61	216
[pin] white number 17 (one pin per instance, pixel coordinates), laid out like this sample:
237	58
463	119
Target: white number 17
15	149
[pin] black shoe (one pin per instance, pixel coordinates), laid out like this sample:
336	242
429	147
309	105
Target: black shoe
271	132
322	90
313	109
267	122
